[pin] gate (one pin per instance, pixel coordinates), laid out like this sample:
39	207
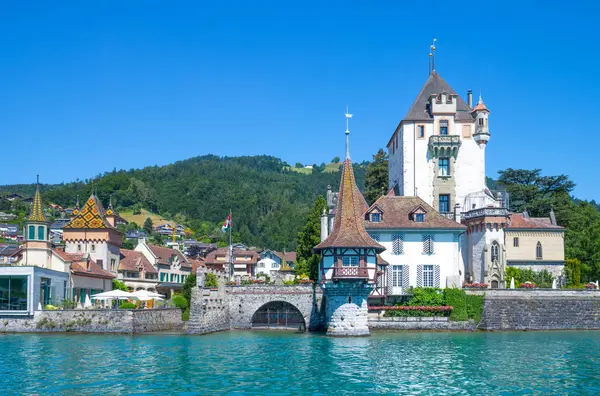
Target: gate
278	315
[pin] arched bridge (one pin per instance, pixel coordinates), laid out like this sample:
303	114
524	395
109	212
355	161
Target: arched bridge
269	306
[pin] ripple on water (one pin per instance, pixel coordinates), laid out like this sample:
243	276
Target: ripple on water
287	363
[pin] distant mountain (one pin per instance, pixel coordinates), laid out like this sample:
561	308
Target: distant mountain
269	200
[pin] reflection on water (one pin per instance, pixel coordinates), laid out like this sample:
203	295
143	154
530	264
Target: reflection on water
285	363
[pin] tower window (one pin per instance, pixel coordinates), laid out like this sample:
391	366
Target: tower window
420	131
93	248
444	166
79	248
481	121
350	261
444	203
516	242
31	232
495	250
443	127
40	233
538	251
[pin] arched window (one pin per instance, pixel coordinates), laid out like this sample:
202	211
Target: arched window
538	251
495	249
31	232
40	233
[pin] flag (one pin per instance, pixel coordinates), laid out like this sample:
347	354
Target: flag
227	224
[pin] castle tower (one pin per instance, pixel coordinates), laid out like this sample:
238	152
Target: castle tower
91	234
437	151
347	269
111	215
37	249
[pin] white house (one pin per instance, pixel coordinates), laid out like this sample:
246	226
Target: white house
422	247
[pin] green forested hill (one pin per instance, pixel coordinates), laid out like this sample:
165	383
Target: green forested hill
269	202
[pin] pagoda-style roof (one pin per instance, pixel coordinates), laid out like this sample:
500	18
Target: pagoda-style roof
37	211
348	227
91	215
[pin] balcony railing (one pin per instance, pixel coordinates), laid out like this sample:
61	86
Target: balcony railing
444	145
482	212
350	273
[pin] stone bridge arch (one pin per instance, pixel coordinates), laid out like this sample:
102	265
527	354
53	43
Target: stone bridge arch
245	301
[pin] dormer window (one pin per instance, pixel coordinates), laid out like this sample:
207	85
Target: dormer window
375	217
419	217
443	127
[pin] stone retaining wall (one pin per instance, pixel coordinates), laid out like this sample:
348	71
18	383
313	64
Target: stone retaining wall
421	323
209	311
95	321
540	310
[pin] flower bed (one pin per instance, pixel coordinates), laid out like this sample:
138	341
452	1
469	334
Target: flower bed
590	286
527	285
405	310
475	285
306	281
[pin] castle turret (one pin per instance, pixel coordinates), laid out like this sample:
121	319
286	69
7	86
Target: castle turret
110	214
482	133
37	243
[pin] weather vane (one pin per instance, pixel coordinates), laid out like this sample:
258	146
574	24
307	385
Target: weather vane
348	116
432	56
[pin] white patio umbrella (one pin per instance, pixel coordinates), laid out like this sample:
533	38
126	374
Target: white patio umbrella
144	295
88	302
113	295
554	283
512	283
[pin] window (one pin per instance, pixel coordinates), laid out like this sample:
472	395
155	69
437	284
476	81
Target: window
14	294
350	261
495	251
420	131
375	237
538	251
444	166
428	244
275	265
65	290
79	248
93	248
481	121
100	263
261	265
419	217
397	275
443	127
375	217
444	203
397	244
113	265
31	232
40	233
516	242
428	276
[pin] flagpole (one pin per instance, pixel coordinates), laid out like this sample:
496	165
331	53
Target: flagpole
230	247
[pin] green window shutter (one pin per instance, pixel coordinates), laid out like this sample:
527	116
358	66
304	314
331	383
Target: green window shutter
41	233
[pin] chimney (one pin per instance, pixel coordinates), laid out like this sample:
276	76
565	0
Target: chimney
457	216
470	98
324	225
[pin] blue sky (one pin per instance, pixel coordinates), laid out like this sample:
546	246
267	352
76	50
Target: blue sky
89	86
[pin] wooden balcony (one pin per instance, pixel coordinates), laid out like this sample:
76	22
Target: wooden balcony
350	273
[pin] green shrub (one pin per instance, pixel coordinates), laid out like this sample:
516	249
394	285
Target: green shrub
50	307
542	279
188	285
426	296
119	285
68	304
457	299
185	315
211	280
127	305
475	307
179	301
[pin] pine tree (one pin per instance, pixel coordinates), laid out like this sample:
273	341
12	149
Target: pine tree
376	177
148	226
309	237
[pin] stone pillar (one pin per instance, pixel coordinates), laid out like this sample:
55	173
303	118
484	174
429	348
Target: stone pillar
346	312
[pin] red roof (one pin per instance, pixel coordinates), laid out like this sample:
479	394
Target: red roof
517	221
135	261
165	253
211	258
348	228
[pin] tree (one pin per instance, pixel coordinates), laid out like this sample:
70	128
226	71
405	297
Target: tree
376	176
335	160
573	272
309	237
299	165
188	285
148	226
119	285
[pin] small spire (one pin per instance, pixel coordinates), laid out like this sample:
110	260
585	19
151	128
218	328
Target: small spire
432	56
37	212
348	116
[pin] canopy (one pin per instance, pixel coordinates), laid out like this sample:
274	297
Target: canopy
114	295
144	295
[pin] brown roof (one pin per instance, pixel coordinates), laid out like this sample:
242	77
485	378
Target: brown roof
289	256
517	220
397	214
197	263
165	253
135	261
381	261
211	258
82	265
68	256
348	227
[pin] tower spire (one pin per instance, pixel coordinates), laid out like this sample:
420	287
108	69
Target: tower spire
37	212
348	116
432	56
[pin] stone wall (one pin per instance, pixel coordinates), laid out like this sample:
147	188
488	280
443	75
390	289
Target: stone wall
346	310
95	321
209	309
420	323
540	310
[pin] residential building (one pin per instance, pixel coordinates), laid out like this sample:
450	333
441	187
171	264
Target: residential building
195	248
271	261
244	261
166	229
135	235
10	231
136	271
172	266
7	216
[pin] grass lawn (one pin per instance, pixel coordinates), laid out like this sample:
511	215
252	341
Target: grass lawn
140	218
331	167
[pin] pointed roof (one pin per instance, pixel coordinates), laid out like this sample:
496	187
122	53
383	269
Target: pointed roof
348	228
480	106
90	216
37	211
434	85
110	211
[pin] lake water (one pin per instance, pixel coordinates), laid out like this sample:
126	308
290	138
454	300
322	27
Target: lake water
286	363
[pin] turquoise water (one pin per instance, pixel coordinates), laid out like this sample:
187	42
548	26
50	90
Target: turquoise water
286	363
